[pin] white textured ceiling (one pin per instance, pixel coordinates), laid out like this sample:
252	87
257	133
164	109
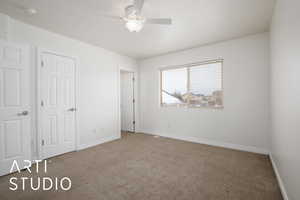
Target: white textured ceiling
195	22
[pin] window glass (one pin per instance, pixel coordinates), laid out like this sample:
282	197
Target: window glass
206	85
196	86
174	85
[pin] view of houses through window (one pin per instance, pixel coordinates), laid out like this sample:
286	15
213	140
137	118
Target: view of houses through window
195	85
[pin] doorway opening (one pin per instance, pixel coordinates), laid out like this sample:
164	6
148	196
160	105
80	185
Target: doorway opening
127	102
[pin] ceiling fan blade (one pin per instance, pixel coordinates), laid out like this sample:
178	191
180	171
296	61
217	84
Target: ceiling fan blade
113	17
138	5
164	21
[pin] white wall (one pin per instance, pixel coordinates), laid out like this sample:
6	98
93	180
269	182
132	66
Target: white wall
285	96
242	124
98	108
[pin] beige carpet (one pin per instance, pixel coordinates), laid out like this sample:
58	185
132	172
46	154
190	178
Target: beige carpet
142	167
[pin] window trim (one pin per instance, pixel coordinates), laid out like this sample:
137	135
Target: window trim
188	66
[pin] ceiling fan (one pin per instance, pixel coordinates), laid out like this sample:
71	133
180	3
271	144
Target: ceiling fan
134	21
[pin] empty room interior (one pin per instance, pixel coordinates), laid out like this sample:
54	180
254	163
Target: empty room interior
149	99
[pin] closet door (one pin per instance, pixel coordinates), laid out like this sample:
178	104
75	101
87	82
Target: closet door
58	105
14	106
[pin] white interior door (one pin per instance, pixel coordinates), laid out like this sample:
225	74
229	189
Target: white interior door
14	106
57	90
127	101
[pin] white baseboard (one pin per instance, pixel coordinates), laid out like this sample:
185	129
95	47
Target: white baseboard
214	143
280	182
100	141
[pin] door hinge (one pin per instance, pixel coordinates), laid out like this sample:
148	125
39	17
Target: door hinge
42	64
43	142
133	122
42	103
133	100
133	79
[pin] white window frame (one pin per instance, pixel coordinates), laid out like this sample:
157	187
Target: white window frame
188	66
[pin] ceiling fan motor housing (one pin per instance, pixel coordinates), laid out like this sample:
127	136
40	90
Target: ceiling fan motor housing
130	11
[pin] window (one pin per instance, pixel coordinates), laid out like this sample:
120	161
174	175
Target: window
194	85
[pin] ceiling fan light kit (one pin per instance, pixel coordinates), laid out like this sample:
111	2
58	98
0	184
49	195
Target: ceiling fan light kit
134	25
133	21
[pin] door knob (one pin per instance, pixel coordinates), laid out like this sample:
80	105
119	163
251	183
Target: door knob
72	109
24	113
